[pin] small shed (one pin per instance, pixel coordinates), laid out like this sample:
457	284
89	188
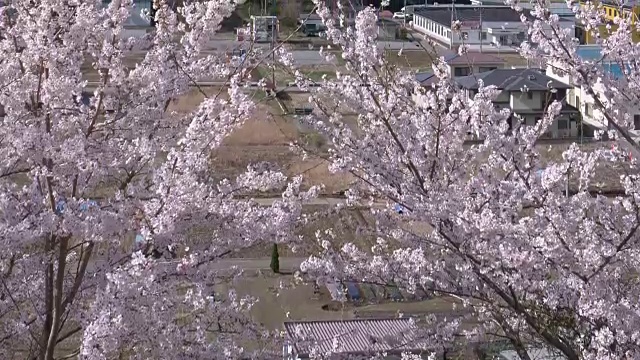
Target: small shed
387	29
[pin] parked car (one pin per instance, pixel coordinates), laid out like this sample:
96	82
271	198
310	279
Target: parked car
312	29
399	15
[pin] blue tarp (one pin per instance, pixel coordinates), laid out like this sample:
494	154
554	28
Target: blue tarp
61	204
353	291
139	240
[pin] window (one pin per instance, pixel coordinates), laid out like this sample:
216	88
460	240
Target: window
636	122
538	119
461	71
577	104
588	109
486	68
559	94
529	95
482	35
464	35
563	124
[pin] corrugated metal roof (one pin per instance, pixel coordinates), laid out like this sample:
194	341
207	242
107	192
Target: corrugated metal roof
355	336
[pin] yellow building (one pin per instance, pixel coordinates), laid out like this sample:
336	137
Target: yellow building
612	10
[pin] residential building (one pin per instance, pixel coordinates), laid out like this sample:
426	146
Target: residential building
615	8
472	63
527	93
557	7
488	26
354	338
412	5
578	97
612	9
462	65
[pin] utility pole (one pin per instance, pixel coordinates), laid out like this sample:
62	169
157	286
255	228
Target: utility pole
453	9
404	17
481	28
152	15
274	36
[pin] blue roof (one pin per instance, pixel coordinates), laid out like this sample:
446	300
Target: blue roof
594	53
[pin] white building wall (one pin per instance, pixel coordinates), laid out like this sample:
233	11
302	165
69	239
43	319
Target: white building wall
432	29
503	97
581	100
562	127
512	32
531	100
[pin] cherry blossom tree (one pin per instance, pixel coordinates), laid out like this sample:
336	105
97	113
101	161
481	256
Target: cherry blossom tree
81	176
535	265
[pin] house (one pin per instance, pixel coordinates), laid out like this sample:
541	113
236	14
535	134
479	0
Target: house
356	338
463	65
578	97
472	63
527	92
556	7
490	26
611	10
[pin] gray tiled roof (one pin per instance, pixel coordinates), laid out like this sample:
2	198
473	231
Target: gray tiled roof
425	77
355	336
512	80
442	14
471	57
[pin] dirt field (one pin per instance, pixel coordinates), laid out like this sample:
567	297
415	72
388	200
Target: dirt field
420	60
266	137
274	304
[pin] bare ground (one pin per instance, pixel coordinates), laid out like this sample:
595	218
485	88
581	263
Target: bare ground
416	59
280	301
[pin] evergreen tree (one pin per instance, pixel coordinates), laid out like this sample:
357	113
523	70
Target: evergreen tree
275	259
